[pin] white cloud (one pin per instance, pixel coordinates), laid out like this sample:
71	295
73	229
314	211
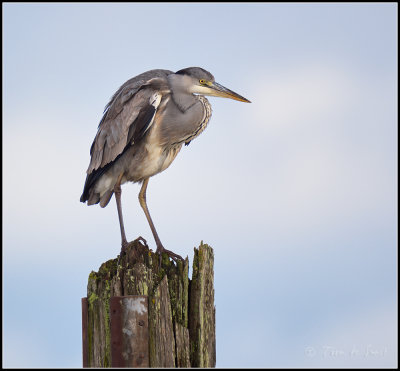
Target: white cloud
325	158
303	94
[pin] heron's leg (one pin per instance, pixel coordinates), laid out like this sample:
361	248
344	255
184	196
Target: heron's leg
143	204
117	192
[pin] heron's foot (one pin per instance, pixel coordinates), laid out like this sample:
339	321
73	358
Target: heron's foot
133	253
161	249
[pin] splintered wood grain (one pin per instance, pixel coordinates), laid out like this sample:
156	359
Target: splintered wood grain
182	346
202	309
162	340
98	333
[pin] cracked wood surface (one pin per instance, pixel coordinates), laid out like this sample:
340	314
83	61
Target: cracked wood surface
181	312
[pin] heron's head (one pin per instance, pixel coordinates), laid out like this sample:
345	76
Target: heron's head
196	80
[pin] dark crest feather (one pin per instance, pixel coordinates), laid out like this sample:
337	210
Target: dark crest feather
197	72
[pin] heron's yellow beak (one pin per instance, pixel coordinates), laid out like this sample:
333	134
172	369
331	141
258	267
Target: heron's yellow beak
220	91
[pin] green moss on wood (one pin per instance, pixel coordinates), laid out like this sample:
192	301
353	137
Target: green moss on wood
202	310
140	273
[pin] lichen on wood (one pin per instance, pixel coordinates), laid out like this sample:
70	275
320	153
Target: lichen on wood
202	309
162	344
180	334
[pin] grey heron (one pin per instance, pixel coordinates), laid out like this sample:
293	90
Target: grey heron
144	126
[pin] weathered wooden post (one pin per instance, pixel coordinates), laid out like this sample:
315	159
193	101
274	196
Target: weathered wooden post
141	313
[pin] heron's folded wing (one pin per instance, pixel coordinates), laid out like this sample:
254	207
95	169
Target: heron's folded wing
126	120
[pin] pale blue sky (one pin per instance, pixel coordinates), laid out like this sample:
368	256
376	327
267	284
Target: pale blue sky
296	192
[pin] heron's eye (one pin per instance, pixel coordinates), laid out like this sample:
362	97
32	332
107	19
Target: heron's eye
203	82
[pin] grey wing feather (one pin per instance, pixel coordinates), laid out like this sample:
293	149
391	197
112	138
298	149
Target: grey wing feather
128	89
128	115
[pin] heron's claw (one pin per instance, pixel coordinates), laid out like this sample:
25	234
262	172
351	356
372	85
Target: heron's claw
140	238
172	255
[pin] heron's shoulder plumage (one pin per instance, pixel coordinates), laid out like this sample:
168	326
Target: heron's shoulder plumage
130	88
127	116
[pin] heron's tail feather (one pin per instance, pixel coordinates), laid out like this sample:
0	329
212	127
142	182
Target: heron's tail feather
105	199
94	198
91	197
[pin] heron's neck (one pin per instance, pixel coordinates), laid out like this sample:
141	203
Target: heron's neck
182	98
